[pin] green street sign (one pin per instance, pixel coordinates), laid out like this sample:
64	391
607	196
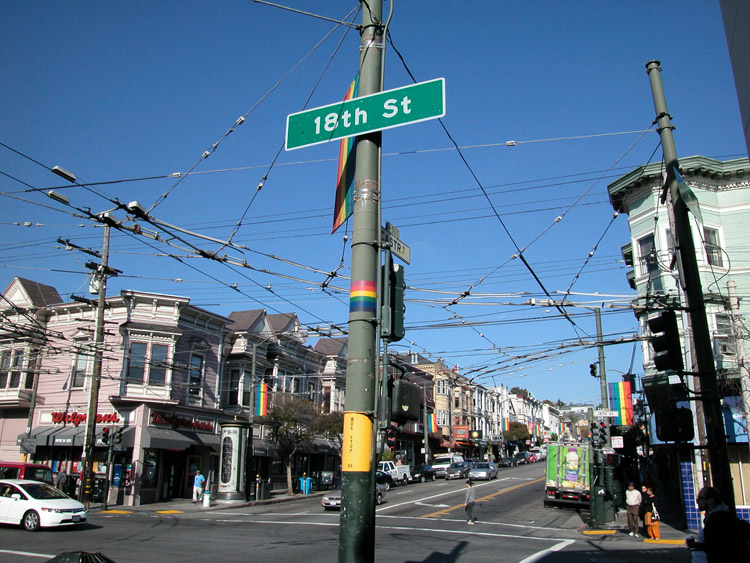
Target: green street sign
382	110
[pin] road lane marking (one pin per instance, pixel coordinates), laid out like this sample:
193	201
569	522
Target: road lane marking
27	554
545	552
486	523
488	497
597	532
116	512
170	512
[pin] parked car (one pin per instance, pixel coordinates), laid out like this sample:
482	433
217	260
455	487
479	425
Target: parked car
34	505
458	470
443	461
483	470
520	458
384	479
332	499
507	462
26	471
423	473
533	458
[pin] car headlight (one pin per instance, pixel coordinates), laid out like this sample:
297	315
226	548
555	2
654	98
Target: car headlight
57	510
325	499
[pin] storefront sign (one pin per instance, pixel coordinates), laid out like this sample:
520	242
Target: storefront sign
461	432
176	421
76	418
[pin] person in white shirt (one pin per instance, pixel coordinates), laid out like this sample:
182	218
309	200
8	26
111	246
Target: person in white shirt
633	501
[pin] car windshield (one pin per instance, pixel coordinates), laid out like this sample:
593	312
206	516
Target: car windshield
456	466
42	491
482	466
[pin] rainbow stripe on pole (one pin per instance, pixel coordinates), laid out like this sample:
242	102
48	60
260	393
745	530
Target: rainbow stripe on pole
344	205
363	297
621	401
261	400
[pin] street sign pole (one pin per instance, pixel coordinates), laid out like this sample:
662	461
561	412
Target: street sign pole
357	520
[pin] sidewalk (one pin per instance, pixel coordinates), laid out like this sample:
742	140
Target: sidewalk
183	505
670	535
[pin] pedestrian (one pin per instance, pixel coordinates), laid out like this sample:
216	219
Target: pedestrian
198	483
651	515
470	501
632	507
724	537
61	479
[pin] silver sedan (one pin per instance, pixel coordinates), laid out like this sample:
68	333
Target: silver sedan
483	470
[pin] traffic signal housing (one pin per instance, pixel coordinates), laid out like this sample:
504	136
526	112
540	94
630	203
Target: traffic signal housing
665	341
674	425
595	434
603	433
592	370
105	436
393	306
406	401
118	436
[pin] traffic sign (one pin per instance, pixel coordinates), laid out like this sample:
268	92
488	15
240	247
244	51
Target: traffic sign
375	112
390	235
605	413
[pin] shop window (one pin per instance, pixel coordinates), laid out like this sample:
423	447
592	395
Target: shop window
195	375
11	366
713	248
149	469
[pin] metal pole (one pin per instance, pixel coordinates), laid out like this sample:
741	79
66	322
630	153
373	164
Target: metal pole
109	472
87	473
357	530
687	265
738	333
424	423
602	367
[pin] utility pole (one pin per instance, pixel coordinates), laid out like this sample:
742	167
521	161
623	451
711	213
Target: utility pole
602	368
87	473
357	521
424	422
687	266
738	333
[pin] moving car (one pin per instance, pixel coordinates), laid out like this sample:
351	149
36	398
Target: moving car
332	499
483	470
27	471
458	470
423	473
443	461
34	505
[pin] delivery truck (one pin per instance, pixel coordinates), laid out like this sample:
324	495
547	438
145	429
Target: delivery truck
568	479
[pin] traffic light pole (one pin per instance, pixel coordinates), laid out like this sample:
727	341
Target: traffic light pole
357	529
687	266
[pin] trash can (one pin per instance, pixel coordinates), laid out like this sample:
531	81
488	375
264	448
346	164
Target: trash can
262	490
305	485
206	498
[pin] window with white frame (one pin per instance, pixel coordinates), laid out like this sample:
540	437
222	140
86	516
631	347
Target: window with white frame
148	363
713	247
647	254
724	338
234	387
80	367
443	418
195	375
11	368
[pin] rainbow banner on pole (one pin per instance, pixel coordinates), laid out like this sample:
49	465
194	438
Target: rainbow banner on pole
621	401
261	399
344	205
507	425
363	296
432	422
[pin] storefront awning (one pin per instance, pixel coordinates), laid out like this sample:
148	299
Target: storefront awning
67	436
264	448
170	439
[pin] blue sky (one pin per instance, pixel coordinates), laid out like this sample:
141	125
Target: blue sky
127	93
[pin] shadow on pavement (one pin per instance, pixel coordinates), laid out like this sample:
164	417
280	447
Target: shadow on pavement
439	557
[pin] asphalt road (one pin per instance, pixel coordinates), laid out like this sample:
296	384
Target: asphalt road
417	523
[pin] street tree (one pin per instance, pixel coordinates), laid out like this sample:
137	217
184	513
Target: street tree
331	427
293	422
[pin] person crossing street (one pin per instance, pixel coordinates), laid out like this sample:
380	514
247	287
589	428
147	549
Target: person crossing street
469	502
198	483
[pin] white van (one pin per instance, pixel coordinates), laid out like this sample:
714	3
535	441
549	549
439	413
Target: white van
441	462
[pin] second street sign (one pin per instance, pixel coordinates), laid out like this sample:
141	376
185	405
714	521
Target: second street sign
382	110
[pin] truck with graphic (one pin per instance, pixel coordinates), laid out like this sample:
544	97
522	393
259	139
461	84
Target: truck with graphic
568	479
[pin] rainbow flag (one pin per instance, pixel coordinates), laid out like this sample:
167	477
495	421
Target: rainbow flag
507	425
261	399
363	297
432	422
621	401
344	205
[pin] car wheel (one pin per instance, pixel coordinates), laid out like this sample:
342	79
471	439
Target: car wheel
433	477
379	498
405	480
30	521
422	479
387	486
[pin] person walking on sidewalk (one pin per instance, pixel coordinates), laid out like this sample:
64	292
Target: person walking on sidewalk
632	507
469	502
724	537
650	515
198	483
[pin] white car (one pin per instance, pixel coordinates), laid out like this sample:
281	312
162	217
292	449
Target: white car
34	505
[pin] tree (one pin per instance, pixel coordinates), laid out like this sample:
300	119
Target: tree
520	391
331	427
517	432
293	423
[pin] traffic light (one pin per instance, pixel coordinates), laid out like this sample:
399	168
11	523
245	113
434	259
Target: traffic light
592	370
674	425
118	436
393	307
603	433
406	401
595	434
665	341
105	436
